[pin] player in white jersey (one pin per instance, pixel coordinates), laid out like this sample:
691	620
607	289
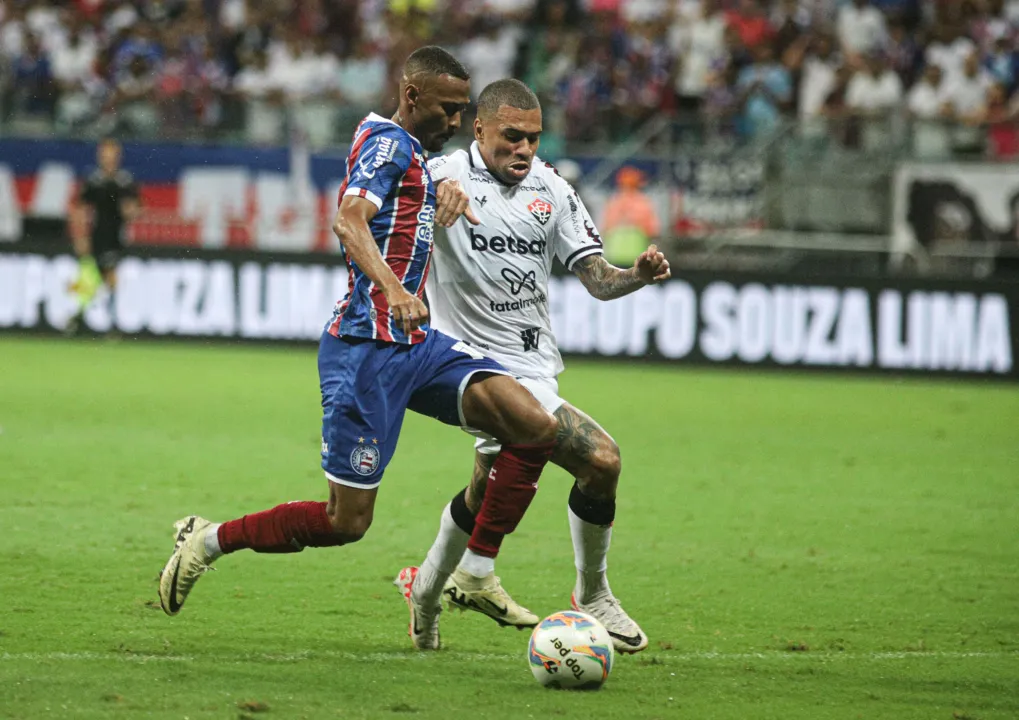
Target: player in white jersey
489	287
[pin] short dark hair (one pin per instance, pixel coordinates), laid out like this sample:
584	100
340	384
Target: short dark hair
433	60
508	91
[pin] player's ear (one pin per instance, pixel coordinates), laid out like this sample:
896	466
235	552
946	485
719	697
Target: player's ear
479	129
411	93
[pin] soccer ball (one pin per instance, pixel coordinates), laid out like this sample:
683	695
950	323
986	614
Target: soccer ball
570	650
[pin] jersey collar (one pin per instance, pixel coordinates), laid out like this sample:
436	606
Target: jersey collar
374	117
478	162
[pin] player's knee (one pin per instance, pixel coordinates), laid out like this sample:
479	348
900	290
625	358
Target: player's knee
349	527
603	468
543	428
607	460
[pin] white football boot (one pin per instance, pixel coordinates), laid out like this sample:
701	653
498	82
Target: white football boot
424	622
627	637
487	596
188	562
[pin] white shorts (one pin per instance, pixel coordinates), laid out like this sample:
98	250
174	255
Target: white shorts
545	390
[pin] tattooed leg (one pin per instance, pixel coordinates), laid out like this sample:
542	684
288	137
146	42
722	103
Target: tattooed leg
592	456
479	480
588	453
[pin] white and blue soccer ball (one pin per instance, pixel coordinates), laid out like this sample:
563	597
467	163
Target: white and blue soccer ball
570	650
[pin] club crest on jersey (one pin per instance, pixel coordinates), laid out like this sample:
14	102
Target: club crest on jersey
365	459
541	209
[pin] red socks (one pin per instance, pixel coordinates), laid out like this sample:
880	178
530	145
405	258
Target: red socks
294	526
512	484
285	528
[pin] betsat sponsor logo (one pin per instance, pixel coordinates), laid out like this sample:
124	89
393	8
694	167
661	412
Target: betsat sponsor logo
499	245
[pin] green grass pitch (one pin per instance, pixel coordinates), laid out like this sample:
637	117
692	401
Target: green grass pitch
796	547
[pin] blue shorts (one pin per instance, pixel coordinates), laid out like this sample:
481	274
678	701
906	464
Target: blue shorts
367	385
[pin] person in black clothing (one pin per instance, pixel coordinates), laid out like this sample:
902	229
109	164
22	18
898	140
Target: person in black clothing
108	200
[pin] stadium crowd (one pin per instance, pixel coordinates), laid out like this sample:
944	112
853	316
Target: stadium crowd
183	67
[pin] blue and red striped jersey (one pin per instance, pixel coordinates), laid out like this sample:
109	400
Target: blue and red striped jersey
386	166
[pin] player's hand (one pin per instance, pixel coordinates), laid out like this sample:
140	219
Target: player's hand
651	266
452	201
408	311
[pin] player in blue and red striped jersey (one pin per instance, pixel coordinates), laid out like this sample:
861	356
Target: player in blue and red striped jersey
378	357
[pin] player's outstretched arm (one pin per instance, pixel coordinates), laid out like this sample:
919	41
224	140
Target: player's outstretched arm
607	282
351	227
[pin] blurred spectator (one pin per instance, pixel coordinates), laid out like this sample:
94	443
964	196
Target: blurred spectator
698	44
965	93
984	22
966	102
549	42
253	81
140	43
42	19
1003	63
765	88
134	98
926	108
629	220
636	93
875	90
842	127
925	100
292	66
902	12
12	33
949	49
211	81
737	53
643	11
362	77
35	90
904	55
815	61
861	28
721	102
124	15
1003	129
233	15
173	93
490	55
791	22
81	90
751	23
873	96
262	98
585	94
601	67
72	59
1011	12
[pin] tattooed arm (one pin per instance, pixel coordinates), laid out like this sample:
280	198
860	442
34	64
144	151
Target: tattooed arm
606	282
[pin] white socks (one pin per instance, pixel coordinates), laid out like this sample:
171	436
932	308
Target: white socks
212	547
477	565
442	559
590	552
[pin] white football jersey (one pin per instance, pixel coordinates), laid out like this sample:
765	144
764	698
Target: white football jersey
488	284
